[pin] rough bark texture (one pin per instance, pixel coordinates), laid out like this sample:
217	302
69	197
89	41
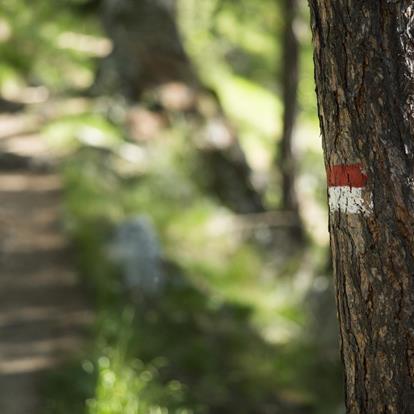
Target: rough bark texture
364	58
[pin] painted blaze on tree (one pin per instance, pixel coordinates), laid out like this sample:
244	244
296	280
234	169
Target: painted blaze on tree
364	70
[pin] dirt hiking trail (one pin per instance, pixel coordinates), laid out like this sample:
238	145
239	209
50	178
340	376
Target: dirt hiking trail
43	311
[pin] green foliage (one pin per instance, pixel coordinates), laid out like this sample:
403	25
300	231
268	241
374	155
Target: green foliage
124	383
224	326
34	51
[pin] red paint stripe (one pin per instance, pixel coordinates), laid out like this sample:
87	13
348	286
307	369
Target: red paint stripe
346	176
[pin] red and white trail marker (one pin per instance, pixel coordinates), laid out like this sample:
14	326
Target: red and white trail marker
347	189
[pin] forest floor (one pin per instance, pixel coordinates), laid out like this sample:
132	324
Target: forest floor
43	310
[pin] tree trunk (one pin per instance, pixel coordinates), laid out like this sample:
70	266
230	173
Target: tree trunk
147	47
364	65
290	79
148	53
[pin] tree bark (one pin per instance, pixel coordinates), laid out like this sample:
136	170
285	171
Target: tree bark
364	70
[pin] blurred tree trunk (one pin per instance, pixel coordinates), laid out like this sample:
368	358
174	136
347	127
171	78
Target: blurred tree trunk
148	50
147	53
290	81
364	60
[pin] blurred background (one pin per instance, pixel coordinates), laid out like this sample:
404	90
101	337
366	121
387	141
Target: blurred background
166	155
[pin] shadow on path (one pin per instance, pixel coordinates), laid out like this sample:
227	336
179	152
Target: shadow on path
43	312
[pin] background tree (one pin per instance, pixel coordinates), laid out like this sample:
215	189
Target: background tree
364	55
290	81
147	53
147	47
286	159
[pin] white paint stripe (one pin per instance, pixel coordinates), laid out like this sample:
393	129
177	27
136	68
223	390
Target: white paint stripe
350	200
